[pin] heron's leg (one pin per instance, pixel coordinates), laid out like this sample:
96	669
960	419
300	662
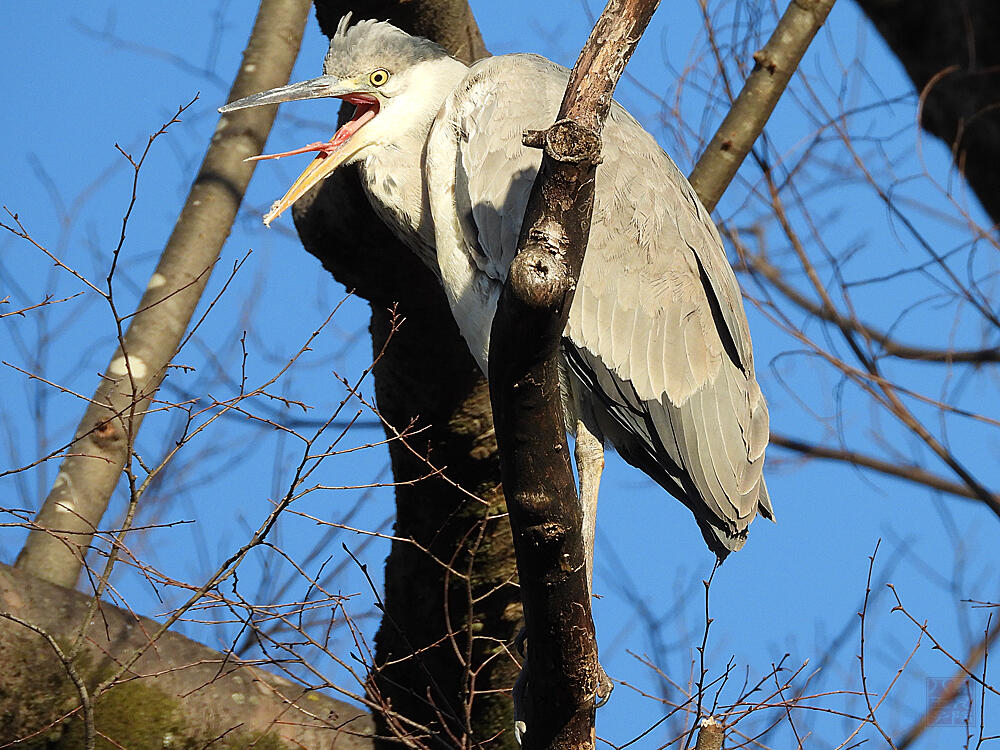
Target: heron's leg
590	466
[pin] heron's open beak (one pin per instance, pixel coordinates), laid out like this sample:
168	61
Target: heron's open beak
331	154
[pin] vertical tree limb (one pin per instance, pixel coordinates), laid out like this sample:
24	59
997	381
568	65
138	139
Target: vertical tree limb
439	650
711	734
103	441
545	514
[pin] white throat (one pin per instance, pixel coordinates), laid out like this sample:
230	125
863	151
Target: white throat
393	171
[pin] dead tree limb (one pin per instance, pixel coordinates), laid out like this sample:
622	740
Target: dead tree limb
56	547
541	497
909	472
194	691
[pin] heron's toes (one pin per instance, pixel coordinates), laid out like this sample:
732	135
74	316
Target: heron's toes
521	686
604	688
601	695
520	729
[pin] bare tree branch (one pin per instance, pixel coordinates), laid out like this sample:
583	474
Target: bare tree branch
545	514
756	263
107	432
910	472
775	64
952	690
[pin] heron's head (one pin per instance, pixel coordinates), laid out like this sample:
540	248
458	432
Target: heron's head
395	81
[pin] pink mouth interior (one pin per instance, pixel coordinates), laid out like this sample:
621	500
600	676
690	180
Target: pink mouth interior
366	107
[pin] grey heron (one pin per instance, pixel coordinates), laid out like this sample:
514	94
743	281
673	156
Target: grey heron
657	359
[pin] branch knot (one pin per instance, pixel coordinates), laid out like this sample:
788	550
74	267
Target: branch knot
567	141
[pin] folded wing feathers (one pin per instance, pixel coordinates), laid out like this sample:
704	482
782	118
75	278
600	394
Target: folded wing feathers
661	345
696	450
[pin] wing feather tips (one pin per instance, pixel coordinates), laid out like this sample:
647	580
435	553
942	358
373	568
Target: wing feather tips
764	502
679	447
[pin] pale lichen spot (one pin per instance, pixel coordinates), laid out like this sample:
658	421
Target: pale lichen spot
61	479
238	699
119	367
249	68
156	281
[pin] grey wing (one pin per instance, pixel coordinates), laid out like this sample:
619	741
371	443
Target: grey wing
664	340
657	342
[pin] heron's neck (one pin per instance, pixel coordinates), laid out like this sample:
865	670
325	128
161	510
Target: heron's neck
394	175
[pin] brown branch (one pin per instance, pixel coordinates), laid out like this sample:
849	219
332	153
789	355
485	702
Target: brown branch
545	514
887	392
84	484
774	65
758	264
910	472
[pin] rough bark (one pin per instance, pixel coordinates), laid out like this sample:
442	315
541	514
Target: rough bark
179	692
102	444
427	377
950	52
546	517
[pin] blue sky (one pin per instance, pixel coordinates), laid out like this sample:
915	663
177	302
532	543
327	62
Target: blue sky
79	82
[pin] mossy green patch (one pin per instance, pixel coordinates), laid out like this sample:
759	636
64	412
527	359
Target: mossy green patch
140	717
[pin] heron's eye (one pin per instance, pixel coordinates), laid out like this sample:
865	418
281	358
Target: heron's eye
379	77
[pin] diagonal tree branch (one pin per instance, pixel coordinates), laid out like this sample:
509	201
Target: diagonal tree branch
958	682
105	437
775	64
756	263
910	472
545	515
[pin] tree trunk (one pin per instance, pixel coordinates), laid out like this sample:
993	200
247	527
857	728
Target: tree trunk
451	599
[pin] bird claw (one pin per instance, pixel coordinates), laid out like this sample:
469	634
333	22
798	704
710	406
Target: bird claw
605	686
520	729
521	642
